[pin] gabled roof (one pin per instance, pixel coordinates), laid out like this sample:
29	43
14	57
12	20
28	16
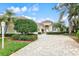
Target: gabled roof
47	21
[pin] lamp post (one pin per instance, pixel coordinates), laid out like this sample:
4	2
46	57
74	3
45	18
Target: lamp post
2	29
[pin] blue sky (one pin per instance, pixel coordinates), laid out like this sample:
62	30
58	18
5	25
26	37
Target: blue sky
37	11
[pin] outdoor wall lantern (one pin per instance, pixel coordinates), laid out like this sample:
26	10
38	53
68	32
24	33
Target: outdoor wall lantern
2	29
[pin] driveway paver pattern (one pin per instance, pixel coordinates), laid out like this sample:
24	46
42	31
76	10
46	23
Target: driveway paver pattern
50	45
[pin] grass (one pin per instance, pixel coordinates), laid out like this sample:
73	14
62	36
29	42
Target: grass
11	47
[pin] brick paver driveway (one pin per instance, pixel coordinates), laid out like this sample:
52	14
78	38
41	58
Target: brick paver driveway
50	45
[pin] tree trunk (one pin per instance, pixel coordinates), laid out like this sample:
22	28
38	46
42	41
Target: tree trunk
6	27
70	27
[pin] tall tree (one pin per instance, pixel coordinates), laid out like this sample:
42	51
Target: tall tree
69	9
7	18
60	25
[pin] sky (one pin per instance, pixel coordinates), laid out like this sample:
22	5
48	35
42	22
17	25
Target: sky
37	11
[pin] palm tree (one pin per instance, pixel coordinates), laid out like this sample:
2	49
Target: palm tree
71	10
76	24
7	18
60	25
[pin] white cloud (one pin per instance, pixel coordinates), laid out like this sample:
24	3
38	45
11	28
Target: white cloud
44	19
17	9
40	20
1	14
33	13
24	9
14	9
48	18
27	17
34	8
33	18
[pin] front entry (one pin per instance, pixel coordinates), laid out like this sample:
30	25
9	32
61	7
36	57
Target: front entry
42	30
46	28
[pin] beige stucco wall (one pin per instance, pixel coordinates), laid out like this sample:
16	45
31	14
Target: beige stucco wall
42	26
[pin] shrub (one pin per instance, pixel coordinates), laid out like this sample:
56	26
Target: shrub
25	26
15	36
55	32
24	37
77	34
8	34
39	33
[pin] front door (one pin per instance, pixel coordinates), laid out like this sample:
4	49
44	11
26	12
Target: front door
46	28
42	30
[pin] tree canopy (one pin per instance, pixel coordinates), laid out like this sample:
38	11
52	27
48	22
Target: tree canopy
69	9
25	26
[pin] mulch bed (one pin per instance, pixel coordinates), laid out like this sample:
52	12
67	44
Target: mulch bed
18	40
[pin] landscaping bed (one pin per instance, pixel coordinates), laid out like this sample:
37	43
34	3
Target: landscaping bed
56	33
11	47
21	37
39	32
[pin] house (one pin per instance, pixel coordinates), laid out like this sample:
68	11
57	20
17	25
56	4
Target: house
47	26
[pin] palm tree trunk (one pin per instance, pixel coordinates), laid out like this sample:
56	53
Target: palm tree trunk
70	26
70	29
6	26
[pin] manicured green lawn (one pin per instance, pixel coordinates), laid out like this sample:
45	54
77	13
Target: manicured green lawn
11	47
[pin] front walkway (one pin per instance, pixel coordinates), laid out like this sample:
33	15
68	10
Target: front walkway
50	45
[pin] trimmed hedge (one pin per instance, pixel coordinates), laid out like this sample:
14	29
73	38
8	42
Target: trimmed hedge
24	37
7	35
56	32
39	33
